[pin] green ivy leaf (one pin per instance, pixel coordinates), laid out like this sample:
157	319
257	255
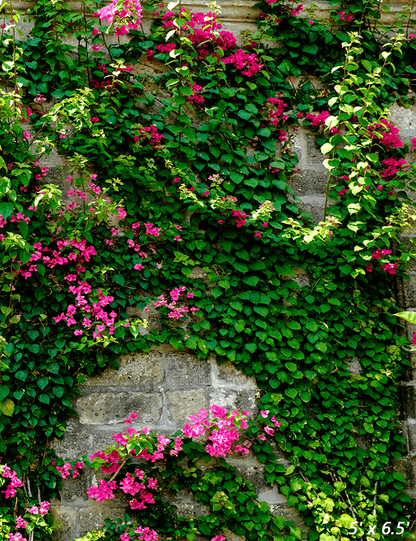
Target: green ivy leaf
7	407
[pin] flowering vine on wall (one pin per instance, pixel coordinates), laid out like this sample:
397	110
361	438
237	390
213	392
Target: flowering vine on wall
193	167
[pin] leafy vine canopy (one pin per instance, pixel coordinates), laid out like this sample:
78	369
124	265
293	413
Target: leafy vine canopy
177	197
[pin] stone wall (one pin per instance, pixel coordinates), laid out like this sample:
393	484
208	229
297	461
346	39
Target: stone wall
164	386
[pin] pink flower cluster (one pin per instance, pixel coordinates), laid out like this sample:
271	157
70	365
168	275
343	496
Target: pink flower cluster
319	119
248	64
176	312
40	98
55	257
391	268
346	17
41	510
378	254
16	537
145	534
196	97
93	310
222	431
122	12
19	217
239	217
204	32
15	482
385	133
150	133
65	470
277	115
392	167
105	490
135	484
270	431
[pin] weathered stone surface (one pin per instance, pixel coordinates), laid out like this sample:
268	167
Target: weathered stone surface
97	408
76	441
271	496
309	182
403	118
186	505
409	430
74	490
409	289
313	205
138	370
184	371
151	317
92	517
68	518
227	374
234	399
184	403
354	366
314	155
407	466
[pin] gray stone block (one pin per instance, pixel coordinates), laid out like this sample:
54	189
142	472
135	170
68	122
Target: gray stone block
67	517
407	466
76	442
228	373
314	205
314	156
403	118
92	516
186	505
141	370
74	490
111	408
309	182
407	393
234	399
184	403
409	430
185	371
354	366
409	289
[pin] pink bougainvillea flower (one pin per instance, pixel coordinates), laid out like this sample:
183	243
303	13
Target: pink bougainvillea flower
20	523
265	413
96	48
27	135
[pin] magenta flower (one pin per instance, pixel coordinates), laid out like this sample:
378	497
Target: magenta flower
264	414
27	135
